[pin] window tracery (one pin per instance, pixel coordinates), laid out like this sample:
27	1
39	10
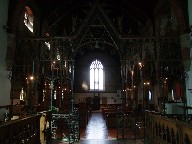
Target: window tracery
96	75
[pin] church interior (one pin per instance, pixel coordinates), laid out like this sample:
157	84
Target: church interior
95	71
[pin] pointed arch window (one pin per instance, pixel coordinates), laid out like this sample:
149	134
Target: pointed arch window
28	18
96	76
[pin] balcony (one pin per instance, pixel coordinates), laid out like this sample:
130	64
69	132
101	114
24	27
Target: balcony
167	129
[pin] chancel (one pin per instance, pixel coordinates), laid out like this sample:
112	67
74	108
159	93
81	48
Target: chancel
95	71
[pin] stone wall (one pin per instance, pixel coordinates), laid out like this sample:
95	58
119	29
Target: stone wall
4	81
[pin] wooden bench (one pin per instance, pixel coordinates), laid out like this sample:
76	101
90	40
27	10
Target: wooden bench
109	115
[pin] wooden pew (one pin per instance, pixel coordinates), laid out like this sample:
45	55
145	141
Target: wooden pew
25	130
84	114
109	115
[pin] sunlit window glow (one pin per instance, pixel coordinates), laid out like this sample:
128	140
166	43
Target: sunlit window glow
172	94
70	69
22	94
55	95
150	95
48	45
96	75
28	18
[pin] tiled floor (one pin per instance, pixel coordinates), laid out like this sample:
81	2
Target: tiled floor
99	141
97	132
96	128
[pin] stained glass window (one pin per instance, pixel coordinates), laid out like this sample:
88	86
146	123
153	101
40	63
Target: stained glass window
96	75
28	18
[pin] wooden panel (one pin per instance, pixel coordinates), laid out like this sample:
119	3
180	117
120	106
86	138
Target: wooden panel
104	100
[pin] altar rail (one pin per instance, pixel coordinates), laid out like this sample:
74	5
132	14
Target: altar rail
65	126
160	129
25	130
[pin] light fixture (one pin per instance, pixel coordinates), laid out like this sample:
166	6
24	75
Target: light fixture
140	64
146	83
31	78
58	55
22	94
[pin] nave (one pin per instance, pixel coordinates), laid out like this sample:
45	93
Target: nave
97	132
59	54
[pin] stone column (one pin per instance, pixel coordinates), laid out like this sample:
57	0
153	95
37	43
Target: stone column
189	82
158	87
123	82
190	12
163	24
185	51
11	45
4	74
3	31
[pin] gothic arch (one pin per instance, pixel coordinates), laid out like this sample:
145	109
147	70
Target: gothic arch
179	14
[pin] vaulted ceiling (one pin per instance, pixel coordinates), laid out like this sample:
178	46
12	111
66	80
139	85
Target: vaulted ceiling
100	25
115	27
128	16
97	23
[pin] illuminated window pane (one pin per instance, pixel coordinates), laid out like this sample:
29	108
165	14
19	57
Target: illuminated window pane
28	18
55	95
96	75
48	45
150	96
101	79
91	79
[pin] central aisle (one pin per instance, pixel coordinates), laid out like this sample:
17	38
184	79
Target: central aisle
97	132
96	128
